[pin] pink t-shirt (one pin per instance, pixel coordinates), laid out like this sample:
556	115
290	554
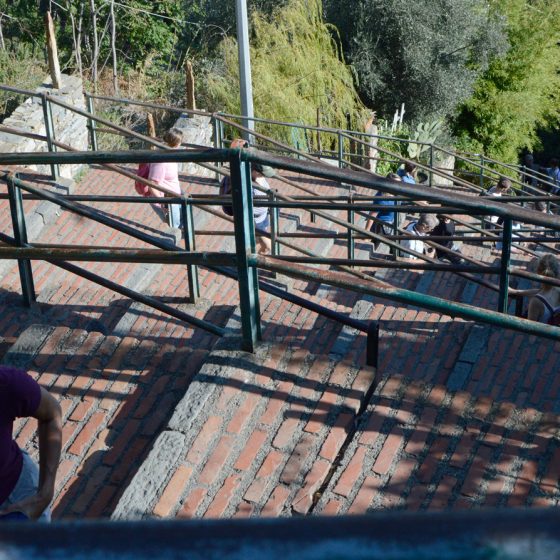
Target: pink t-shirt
20	396
165	174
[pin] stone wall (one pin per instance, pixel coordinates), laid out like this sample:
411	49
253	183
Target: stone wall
197	130
69	127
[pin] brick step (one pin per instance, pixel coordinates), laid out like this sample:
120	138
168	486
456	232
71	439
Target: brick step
254	434
422	446
116	395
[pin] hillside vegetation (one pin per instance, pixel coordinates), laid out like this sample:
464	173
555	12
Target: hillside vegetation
488	71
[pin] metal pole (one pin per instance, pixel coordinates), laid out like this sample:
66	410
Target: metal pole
91	123
340	149
431	165
20	235
244	225
188	229
49	133
274	223
393	250
350	240
504	266
245	84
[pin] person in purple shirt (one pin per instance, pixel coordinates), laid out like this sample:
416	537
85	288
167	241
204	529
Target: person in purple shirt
24	487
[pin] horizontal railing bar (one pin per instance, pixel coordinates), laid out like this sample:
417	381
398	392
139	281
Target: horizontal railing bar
386	291
127	292
111	254
20	91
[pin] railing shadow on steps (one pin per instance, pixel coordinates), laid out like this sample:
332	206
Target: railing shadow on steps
245	259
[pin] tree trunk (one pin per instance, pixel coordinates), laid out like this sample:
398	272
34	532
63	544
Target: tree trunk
95	55
52	51
79	37
114	49
76	35
2	44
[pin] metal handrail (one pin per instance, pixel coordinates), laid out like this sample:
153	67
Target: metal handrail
415	192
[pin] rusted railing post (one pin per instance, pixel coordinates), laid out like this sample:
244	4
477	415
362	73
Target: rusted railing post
190	245
274	223
504	266
49	132
245	245
20	235
350	218
91	123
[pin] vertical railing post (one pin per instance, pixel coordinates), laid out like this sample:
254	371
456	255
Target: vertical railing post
91	123
20	235
431	165
218	141
350	235
49	133
190	245
244	224
220	133
481	174
340	149
274	223
504	265
392	250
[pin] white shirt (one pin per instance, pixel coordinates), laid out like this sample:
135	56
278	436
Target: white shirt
413	244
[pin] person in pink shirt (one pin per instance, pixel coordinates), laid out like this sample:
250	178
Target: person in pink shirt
24	488
166	174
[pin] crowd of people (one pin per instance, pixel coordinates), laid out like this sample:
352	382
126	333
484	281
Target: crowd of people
544	303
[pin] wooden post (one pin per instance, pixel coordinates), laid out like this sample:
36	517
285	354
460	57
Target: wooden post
189	86
54	66
151	127
372	152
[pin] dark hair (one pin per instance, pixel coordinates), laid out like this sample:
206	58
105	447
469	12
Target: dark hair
548	266
554	162
409	167
393	176
257	167
173	137
504	183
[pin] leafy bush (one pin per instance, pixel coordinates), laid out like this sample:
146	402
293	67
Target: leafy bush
296	68
20	68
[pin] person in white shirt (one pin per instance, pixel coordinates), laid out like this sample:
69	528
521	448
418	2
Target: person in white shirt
425	224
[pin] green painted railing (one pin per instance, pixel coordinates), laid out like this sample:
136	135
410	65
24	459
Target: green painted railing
247	262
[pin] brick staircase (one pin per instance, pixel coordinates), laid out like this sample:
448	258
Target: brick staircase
172	421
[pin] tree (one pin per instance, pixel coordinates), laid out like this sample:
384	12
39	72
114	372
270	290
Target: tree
209	22
520	92
424	54
296	68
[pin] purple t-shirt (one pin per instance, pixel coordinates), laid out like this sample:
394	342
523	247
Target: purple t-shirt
20	396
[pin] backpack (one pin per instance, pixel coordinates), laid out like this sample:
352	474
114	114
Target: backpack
225	190
554	318
144	172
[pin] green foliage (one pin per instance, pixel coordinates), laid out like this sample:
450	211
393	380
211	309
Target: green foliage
426	133
426	54
209	22
20	68
519	92
296	68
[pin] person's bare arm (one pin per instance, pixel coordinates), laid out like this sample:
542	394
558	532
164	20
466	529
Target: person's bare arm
50	442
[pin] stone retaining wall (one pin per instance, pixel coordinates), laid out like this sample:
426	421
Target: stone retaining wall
69	127
198	131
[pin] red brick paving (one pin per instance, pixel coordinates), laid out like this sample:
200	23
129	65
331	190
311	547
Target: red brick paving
283	443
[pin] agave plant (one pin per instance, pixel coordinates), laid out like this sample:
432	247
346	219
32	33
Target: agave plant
426	133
